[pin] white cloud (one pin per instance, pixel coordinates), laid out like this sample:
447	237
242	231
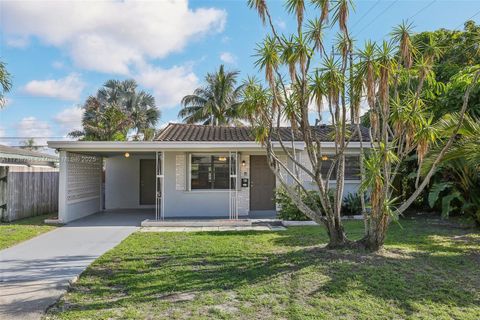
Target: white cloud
70	119
2	132
58	64
31	127
68	88
228	57
110	36
225	39
281	24
17	42
169	85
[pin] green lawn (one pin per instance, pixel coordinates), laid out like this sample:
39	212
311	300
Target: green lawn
23	229
427	271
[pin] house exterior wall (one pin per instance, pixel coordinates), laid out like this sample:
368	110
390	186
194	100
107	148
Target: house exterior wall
351	186
122	182
79	186
181	202
122	188
122	185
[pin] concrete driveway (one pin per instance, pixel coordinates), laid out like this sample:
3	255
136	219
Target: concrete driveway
35	273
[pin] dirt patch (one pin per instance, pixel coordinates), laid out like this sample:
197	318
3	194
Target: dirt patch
225	308
394	254
178	297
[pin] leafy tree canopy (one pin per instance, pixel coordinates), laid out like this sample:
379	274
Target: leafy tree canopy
116	109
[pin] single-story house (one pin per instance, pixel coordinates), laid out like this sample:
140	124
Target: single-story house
187	171
28	183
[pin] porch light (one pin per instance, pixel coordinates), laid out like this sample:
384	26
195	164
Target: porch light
222	158
324	158
244	163
127	154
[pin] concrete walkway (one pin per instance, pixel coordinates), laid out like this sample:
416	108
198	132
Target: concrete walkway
35	273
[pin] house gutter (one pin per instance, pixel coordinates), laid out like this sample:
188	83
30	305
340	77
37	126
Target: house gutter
121	146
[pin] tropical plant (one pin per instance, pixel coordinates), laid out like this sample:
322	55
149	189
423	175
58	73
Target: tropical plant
103	122
30	144
401	125
352	204
457	180
459	50
289	99
397	80
288	209
215	104
460	54
5	83
116	109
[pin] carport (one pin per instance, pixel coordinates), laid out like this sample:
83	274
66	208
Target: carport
93	181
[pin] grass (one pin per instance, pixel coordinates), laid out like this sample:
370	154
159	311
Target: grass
426	271
17	231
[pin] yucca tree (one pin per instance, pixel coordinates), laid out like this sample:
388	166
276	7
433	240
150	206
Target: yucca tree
398	85
217	103
5	83
291	97
395	78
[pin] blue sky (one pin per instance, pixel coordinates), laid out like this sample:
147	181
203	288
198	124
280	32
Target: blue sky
59	53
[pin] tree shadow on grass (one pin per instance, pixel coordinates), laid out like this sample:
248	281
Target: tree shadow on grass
403	278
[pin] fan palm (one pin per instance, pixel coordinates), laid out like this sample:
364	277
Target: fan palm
113	99
5	83
215	104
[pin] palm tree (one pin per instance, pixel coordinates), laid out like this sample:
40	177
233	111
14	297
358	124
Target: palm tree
102	122
30	144
215	104
111	101
5	83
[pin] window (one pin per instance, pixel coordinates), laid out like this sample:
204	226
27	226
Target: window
352	168
210	172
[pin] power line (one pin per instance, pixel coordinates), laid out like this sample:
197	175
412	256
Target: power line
474	15
428	5
376	17
365	14
414	15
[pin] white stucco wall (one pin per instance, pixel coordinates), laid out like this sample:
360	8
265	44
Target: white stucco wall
122	182
185	203
122	188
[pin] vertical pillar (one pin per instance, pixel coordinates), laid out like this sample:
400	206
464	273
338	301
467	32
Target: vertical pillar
62	187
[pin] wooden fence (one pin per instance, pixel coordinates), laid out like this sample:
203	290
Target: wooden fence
27	191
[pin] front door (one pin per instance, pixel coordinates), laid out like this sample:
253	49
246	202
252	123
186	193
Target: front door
147	181
262	184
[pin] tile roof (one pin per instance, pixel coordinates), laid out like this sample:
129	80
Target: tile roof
192	132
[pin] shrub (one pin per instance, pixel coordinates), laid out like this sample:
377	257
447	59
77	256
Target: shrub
289	211
351	204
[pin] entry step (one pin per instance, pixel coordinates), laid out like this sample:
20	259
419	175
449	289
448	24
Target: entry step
197	223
